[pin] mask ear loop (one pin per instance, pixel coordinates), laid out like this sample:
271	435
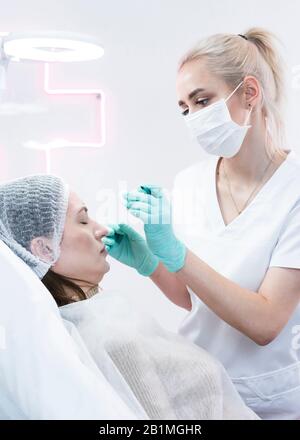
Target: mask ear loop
249	114
229	96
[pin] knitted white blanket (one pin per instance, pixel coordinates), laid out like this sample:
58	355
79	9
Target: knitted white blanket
171	377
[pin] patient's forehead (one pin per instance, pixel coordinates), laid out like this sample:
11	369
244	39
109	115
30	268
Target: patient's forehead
74	204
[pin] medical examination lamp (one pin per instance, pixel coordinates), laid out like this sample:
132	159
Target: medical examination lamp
47	47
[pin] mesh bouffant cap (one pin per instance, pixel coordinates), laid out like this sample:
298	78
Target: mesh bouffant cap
34	206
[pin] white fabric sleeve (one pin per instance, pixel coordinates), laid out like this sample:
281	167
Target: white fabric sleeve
42	375
287	250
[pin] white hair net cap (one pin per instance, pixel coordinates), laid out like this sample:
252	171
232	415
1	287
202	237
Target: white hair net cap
30	207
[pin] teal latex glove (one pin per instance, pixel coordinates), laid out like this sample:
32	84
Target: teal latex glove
127	246
150	205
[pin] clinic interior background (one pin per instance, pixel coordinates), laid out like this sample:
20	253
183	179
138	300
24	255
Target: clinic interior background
145	137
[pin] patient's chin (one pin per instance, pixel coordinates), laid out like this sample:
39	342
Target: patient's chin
105	267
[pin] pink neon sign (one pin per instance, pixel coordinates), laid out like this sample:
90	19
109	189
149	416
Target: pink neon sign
100	115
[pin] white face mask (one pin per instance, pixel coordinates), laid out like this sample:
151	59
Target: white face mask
214	129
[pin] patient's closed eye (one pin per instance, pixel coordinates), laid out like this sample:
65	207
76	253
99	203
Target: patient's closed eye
84	220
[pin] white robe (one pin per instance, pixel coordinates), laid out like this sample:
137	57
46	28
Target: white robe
171	377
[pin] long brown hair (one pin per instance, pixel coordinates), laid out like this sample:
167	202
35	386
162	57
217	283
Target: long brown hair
56	285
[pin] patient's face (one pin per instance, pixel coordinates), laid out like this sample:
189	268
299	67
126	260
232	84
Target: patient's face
83	255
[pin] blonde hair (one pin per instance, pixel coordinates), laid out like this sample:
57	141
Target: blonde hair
232	57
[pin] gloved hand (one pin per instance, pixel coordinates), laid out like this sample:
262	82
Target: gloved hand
127	246
153	208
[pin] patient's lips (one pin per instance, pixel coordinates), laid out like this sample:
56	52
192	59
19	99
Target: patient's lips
103	251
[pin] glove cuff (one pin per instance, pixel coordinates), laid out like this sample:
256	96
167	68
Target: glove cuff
149	265
178	258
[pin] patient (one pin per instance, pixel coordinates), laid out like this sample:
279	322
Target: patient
82	262
48	226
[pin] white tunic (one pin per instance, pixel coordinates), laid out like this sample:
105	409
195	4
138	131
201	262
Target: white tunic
265	234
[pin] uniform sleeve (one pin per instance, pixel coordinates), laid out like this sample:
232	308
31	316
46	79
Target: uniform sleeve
287	250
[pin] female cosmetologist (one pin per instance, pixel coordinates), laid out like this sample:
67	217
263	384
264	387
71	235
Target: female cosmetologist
232	259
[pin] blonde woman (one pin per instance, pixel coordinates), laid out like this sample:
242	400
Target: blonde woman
232	256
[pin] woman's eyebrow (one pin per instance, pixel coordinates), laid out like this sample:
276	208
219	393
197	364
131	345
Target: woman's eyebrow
192	94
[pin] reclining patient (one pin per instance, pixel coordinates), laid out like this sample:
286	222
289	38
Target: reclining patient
48	227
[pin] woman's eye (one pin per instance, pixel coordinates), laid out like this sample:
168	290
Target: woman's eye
202	102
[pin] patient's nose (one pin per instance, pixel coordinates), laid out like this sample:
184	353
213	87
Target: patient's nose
100	231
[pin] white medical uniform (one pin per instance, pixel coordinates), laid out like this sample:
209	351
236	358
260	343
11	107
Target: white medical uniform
265	234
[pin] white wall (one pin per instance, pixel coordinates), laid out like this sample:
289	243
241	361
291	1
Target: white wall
146	138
